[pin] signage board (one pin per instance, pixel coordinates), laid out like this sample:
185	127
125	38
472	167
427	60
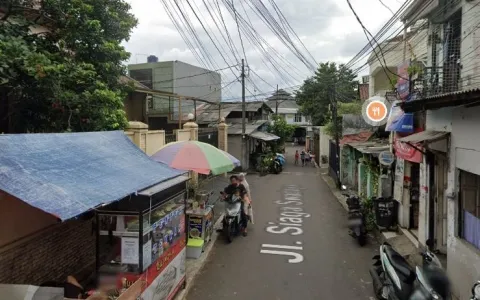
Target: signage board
386	158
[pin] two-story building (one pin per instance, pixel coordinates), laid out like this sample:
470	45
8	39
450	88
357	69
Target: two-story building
450	145
257	120
283	104
178	78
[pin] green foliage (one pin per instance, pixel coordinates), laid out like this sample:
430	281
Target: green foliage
66	78
369	213
315	93
282	129
354	108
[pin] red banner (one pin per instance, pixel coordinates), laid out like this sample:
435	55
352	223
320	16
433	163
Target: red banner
406	151
157	267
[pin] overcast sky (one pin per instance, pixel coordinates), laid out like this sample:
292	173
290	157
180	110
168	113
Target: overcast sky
327	28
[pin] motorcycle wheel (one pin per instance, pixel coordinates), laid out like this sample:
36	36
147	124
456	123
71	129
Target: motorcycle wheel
227	230
362	239
276	169
378	290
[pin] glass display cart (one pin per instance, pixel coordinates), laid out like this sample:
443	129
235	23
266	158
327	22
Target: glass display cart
144	238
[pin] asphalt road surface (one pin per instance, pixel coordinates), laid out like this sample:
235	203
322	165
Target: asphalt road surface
298	248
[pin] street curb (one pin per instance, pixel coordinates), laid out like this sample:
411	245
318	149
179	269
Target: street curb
197	265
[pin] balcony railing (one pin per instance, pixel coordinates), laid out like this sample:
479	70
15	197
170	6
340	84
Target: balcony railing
439	80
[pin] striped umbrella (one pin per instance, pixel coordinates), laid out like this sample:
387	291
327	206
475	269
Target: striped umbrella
196	156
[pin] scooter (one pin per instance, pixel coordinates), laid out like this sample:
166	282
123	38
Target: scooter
476	291
276	165
356	219
394	279
232	220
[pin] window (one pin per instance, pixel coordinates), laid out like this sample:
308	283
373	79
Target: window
469	212
298	118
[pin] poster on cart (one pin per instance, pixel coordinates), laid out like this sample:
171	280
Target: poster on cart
166	285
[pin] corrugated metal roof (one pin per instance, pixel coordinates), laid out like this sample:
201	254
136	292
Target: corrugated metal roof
424	136
236	128
291	104
373	147
264	136
356	138
450	94
208	113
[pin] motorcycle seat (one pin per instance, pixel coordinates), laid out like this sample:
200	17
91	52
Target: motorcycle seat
400	264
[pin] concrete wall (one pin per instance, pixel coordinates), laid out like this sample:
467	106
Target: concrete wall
149	141
205	86
378	81
324	143
235	147
13	214
463	265
290	119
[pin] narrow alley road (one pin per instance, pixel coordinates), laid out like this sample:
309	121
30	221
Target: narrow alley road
295	212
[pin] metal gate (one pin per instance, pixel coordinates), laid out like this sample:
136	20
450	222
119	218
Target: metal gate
333	161
208	135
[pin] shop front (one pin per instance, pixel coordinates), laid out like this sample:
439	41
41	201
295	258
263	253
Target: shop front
114	215
407	185
143	239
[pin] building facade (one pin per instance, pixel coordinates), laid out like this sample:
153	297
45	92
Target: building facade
449	168
193	83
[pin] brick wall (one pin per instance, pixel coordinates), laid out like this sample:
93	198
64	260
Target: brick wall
63	249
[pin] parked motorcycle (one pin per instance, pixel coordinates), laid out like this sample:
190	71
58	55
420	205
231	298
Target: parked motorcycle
270	164
232	220
476	291
356	218
394	279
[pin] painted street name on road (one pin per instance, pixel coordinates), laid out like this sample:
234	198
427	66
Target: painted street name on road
290	222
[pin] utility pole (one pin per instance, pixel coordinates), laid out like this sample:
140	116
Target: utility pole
333	101
276	102
243	160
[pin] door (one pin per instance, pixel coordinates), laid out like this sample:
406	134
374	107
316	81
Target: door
441	229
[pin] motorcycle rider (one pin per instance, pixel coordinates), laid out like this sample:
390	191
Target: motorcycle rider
230	190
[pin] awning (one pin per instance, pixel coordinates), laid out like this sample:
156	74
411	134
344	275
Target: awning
66	174
163	185
264	136
426	136
468	97
356	138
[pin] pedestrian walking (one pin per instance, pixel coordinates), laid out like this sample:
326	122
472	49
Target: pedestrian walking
302	157
297	156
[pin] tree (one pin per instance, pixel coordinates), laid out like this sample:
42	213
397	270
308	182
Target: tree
282	129
315	93
65	79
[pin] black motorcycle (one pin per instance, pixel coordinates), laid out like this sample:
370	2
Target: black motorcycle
356	219
476	291
394	279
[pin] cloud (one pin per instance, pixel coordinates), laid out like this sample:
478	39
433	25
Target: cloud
327	29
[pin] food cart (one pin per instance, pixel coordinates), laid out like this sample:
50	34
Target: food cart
143	238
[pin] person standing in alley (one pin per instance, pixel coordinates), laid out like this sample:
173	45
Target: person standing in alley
297	156
302	157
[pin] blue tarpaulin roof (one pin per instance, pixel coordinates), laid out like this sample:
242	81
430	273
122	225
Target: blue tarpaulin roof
66	174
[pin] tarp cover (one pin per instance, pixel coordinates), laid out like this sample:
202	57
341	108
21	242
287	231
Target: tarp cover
66	174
